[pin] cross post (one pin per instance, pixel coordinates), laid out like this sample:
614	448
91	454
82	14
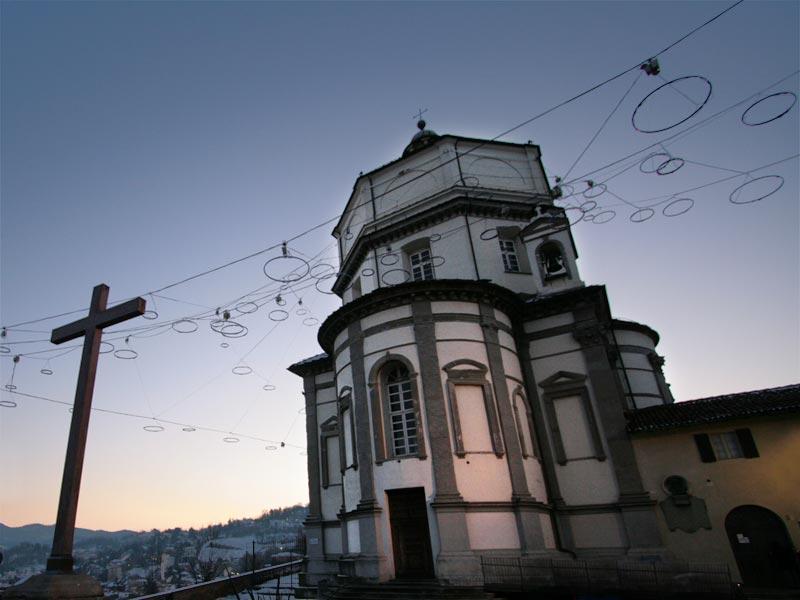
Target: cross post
419	114
91	328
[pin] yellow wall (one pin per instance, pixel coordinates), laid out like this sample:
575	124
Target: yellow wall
772	481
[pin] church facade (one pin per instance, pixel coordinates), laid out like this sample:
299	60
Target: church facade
471	397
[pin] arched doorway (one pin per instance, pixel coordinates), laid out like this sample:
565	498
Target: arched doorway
762	547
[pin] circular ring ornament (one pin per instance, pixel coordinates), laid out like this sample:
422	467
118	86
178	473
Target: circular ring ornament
604	216
437	261
367	272
752	181
669	166
348	235
322	271
231	440
224	345
642	215
588	205
489	234
677	207
598	189
662	157
188	429
109	347
278	315
771	119
126	354
693	113
8	404
5	350
229	329
401	275
241	370
310	321
246	308
46	371
387	260
435	237
292	276
270	448
301	311
185	326
588	217
150	315
10	387
323	291
153	428
268	387
576	216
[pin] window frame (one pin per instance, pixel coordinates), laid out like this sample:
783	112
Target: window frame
328	429
381	410
524	421
744	438
345	402
423	264
508	254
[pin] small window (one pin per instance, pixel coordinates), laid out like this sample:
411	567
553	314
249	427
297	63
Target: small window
421	265
508	250
402	413
726	446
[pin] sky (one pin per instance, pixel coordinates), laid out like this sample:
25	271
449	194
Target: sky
143	143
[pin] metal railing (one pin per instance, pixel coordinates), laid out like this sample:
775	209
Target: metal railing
651	579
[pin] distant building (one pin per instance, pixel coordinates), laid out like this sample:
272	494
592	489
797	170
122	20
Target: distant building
472	398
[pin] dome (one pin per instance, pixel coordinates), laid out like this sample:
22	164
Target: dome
422	139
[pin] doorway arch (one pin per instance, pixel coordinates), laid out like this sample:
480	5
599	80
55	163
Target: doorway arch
763	549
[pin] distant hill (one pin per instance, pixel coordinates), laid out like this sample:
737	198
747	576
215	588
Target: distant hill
43	534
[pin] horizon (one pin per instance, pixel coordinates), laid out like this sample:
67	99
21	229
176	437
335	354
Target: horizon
144	143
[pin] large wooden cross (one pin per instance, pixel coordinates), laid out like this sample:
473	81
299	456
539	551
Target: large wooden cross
91	329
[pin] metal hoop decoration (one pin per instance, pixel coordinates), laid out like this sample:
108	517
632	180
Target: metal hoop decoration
188	429
489	234
367	272
592	205
310	321
321	291
229	329
291	276
642	215
270	448
437	261
348	234
126	354
776	117
241	370
268	387
679	203
697	110
10	387
46	371
435	237
231	440
567	190
594	194
746	183
604	216
666	156
278	315
471	181
665	169
6	350
580	215
153	428
150	315
405	275
246	308
8	404
109	345
387	260
224	345
301	311
589	217
323	274
185	326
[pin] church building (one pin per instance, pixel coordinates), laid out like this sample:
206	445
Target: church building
471	399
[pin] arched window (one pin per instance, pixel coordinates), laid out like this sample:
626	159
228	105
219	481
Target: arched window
401	410
552	261
524	420
396	417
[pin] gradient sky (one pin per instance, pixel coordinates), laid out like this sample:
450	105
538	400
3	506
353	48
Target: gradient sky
145	142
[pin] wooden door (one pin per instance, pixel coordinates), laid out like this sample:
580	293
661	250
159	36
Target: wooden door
411	541
762	547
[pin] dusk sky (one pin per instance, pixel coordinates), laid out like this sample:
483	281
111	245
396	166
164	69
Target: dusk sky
143	143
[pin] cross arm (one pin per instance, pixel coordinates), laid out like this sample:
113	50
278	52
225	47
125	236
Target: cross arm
112	316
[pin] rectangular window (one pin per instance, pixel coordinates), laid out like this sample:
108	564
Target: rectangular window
509	252
421	265
727	445
402	417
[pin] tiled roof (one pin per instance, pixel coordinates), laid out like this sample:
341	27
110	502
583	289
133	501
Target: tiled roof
758	403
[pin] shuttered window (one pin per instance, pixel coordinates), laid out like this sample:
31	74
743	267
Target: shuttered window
727	445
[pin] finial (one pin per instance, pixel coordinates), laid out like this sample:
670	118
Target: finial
421	124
